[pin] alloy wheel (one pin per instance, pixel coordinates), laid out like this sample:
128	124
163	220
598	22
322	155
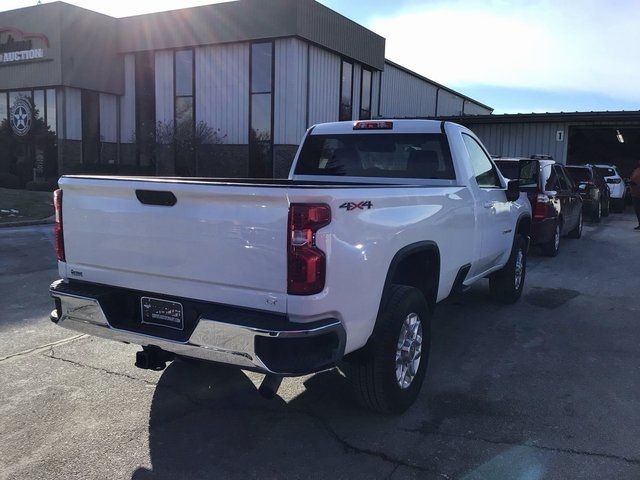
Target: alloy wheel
409	350
519	269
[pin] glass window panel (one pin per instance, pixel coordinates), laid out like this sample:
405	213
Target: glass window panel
346	91
365	98
485	172
38	103
184	114
184	73
261	67
261	117
379	155
13	96
51	109
3	106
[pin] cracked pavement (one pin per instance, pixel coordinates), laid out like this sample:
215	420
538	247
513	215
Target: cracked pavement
544	389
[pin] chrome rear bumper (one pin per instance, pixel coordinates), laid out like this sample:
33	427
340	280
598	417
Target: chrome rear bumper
211	340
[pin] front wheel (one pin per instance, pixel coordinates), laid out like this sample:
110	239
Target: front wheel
606	208
388	373
506	284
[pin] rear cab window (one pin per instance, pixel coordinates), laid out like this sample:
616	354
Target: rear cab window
382	155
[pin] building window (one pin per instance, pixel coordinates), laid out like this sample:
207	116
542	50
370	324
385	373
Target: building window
261	128
33	155
346	91
4	107
90	127
365	94
50	116
145	89
184	113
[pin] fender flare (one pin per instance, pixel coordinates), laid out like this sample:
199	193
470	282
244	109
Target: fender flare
404	252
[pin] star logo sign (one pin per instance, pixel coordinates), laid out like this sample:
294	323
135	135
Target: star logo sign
21	117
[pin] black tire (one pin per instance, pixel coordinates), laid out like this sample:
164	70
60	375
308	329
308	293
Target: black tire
503	285
372	370
577	231
552	247
596	215
606	208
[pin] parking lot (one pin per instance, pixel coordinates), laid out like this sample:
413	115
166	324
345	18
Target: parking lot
546	388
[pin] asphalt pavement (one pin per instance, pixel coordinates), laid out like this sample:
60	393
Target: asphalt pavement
548	388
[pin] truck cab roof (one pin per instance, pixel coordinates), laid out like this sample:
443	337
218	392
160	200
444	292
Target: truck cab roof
378	126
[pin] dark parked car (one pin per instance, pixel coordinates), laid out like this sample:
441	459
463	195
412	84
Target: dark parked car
595	193
555	201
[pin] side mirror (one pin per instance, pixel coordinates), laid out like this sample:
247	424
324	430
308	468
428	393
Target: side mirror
513	190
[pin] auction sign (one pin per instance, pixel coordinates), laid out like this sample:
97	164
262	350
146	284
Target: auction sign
17	46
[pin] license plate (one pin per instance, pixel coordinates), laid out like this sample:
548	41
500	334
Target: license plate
161	312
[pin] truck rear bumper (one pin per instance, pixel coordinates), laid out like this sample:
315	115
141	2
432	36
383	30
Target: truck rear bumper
260	342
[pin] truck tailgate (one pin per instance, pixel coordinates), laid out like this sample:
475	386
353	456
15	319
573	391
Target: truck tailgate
219	243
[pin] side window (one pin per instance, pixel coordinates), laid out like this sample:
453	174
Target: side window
567	179
486	174
562	182
551	185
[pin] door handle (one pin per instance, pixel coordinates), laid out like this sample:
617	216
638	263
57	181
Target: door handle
489	204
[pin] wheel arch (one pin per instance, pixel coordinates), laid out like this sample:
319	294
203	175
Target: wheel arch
415	265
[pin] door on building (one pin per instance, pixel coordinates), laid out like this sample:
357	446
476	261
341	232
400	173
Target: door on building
617	145
28	141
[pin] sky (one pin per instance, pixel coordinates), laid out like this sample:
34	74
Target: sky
515	56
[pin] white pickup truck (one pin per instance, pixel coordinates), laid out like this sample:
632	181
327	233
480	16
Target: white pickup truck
341	264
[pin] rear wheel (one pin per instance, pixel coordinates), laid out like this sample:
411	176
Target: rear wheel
388	373
506	285
606	208
552	247
597	212
577	231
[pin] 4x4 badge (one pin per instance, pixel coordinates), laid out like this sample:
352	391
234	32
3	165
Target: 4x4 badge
365	205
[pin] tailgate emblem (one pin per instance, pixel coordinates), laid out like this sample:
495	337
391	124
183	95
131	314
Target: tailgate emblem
350	206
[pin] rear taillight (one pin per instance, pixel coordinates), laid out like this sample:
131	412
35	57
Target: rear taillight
57	229
306	264
541	204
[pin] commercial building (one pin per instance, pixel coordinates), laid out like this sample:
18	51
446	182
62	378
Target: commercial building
569	137
221	90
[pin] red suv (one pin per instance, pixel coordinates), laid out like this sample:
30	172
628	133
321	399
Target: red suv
555	201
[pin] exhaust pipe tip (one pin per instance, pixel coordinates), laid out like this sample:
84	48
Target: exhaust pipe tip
269	387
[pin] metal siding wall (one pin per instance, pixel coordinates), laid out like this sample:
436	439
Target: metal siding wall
164	86
375	94
357	83
471	108
73	112
449	104
108	118
405	95
290	91
324	86
523	139
222	90
128	102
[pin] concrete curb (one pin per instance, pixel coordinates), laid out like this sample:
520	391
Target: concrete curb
28	223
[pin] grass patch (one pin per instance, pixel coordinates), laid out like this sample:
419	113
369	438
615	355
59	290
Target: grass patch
22	205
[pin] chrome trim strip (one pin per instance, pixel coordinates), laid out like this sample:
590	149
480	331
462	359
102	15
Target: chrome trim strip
211	340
